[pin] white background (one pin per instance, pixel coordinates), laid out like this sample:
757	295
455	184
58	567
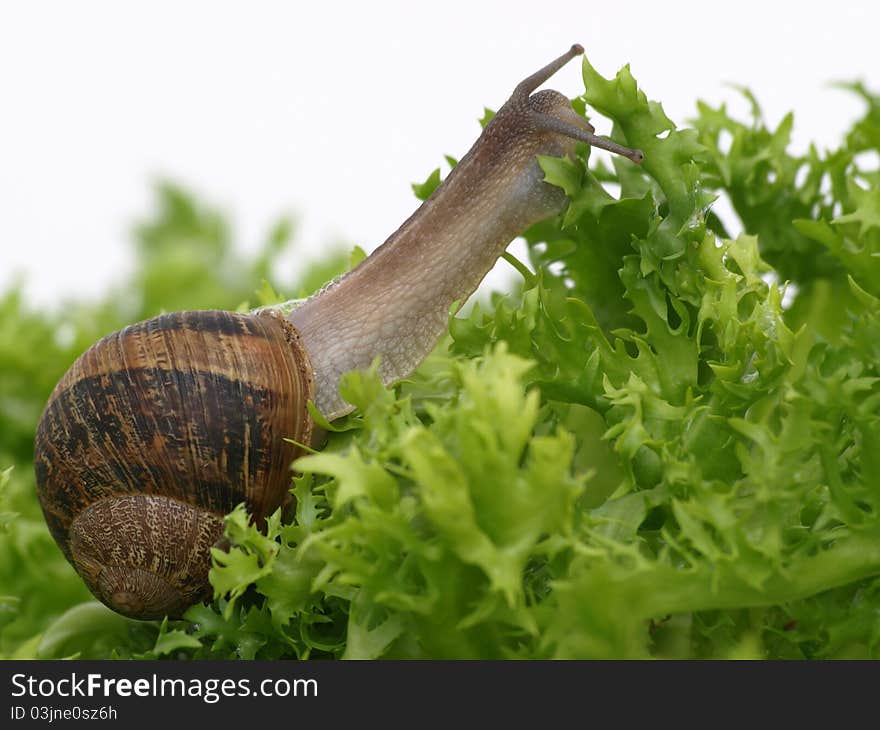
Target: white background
329	110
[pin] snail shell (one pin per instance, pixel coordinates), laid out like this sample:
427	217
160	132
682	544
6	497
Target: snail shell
158	431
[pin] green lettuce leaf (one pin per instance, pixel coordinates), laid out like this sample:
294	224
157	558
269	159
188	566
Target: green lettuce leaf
663	443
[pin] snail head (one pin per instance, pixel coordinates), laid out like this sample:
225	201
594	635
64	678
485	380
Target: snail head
550	114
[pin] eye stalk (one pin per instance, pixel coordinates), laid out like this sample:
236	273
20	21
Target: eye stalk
572	125
532	82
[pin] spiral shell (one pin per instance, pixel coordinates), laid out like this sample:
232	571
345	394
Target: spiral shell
158	431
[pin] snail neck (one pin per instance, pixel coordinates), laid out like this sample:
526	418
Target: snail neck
396	303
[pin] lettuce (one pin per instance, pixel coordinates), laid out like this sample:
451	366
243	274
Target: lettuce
663	442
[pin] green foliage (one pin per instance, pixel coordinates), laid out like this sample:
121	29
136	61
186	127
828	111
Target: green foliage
638	453
817	215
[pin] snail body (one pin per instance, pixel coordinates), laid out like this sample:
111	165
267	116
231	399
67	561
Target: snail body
159	430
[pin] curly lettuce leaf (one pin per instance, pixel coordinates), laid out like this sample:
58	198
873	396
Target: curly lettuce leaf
663	443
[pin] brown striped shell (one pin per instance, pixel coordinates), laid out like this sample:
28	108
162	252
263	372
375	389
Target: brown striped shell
158	431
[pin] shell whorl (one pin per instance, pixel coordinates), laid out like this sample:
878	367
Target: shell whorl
158	431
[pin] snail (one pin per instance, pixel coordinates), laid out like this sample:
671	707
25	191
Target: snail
159	430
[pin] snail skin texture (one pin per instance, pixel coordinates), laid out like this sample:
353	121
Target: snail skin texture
159	430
